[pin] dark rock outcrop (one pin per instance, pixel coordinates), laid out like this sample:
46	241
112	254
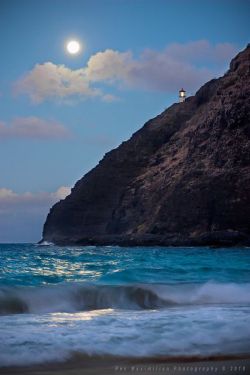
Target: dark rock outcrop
183	179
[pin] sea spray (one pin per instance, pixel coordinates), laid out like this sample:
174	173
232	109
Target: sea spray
73	297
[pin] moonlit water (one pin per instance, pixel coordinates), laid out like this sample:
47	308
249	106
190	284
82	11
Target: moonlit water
56	301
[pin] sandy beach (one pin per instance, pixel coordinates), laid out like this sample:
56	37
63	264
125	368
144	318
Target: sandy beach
105	365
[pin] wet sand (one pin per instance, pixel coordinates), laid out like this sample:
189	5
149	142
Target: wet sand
105	365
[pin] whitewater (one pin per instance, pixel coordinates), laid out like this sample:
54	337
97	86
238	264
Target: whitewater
137	302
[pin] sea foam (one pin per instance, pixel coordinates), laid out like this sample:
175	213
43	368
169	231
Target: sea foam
179	331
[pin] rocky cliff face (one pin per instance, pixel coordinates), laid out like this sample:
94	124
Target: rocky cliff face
182	179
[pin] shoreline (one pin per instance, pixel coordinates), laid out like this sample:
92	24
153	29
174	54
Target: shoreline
80	364
216	239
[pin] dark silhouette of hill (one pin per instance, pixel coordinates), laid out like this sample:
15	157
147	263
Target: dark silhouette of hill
182	179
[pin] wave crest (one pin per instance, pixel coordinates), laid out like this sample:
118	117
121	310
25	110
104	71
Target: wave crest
73	297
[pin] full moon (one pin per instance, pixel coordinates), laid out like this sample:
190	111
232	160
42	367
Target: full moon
73	47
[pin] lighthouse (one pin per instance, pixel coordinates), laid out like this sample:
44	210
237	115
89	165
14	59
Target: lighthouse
182	95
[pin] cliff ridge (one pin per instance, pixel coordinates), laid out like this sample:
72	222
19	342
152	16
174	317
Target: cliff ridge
182	179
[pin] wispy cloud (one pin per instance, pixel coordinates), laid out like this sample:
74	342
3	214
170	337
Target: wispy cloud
22	215
190	65
200	51
9	197
34	128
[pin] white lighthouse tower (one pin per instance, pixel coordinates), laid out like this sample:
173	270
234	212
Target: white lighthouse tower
182	95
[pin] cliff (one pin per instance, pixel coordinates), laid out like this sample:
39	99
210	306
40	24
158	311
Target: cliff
182	179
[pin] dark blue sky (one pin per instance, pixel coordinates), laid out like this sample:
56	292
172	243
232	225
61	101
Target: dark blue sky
59	113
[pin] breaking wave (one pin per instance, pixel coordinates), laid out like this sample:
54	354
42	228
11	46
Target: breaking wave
44	243
73	297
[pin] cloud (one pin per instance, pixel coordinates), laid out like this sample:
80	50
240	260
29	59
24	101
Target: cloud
109	65
200	51
51	81
9	197
177	65
189	65
61	193
34	128
22	215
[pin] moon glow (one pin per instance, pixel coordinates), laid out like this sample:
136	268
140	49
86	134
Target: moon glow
73	47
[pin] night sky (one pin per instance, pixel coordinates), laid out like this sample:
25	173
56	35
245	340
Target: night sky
60	113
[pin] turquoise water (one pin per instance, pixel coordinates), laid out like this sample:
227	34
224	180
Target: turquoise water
123	301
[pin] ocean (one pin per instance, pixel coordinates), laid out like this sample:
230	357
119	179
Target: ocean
138	302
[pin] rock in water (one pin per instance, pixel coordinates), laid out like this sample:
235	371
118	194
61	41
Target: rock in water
182	179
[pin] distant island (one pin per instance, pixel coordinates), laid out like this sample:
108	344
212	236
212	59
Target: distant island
182	179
